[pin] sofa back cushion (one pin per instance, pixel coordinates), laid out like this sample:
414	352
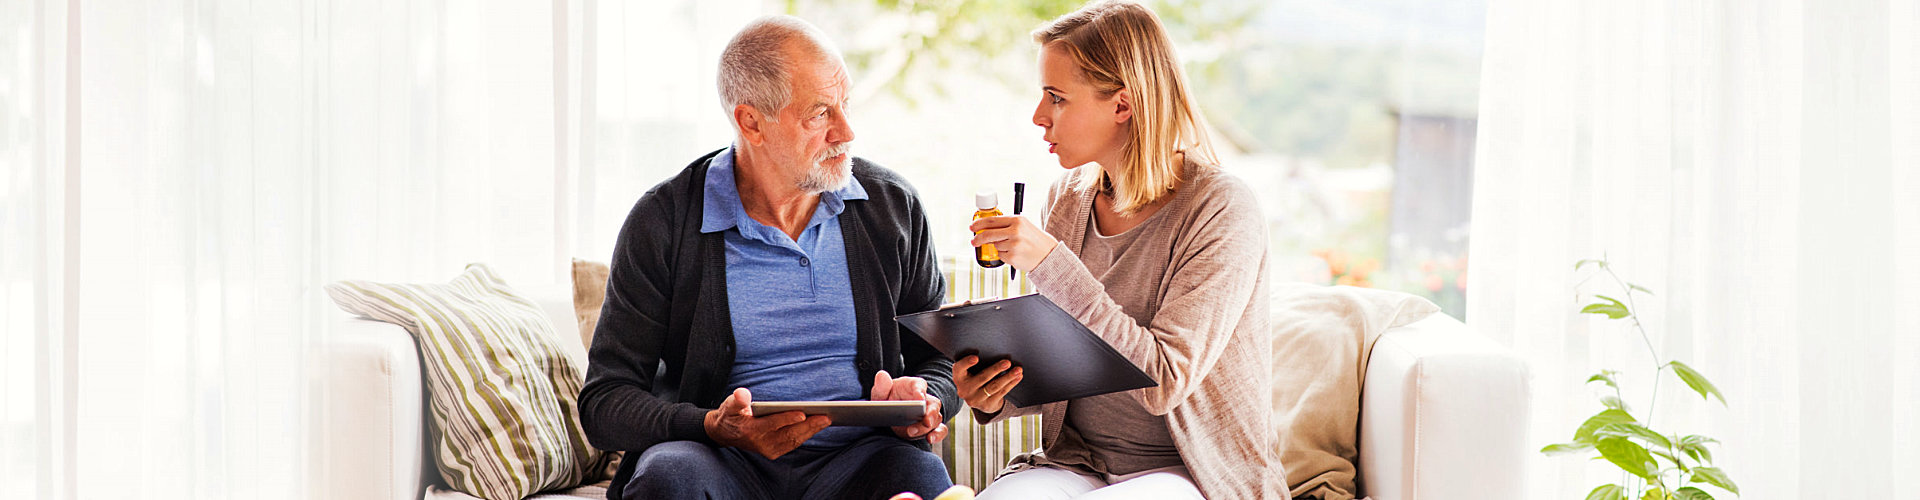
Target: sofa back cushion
502	392
1321	339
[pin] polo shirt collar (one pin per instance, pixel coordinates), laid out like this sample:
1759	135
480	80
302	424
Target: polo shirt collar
721	208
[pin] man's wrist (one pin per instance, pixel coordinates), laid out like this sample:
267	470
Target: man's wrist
710	423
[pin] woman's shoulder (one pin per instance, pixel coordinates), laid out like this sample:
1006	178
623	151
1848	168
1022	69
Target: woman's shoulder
1214	189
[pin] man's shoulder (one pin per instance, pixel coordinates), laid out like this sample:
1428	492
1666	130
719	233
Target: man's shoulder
691	175
883	184
673	202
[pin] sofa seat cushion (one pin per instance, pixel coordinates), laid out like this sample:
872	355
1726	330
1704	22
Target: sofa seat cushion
501	390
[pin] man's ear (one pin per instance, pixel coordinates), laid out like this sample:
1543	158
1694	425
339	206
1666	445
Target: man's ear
1122	106
748	120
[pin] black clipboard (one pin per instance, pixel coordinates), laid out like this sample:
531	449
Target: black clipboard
1062	359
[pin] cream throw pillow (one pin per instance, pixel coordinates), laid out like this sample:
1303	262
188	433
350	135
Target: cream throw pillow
501	391
589	293
1321	339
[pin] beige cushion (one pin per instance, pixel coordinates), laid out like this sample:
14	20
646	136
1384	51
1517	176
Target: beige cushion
1322	338
589	292
502	392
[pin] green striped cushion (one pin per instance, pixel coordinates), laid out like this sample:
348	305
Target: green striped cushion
501	390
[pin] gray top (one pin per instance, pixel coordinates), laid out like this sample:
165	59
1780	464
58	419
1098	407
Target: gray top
1112	433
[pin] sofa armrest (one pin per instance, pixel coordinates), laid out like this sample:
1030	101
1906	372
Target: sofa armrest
1443	414
373	411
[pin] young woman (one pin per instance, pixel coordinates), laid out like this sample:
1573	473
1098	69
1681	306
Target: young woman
1161	254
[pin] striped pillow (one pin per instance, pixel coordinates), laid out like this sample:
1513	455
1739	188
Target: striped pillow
502	391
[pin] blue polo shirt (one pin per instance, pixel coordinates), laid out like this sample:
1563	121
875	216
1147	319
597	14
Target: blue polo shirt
790	300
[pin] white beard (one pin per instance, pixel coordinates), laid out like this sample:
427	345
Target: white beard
822	177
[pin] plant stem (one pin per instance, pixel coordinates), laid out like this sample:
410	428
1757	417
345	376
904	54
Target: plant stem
1633	312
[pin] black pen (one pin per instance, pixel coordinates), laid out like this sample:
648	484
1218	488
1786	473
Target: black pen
1019	198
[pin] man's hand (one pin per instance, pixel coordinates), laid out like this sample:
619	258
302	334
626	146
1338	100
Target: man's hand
771	436
887	388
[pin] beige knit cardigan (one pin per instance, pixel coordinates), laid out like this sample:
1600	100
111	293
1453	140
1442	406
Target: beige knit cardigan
1208	345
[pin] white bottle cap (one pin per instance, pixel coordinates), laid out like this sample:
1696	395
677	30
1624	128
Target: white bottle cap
986	199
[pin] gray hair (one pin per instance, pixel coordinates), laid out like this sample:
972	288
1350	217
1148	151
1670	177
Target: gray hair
756	68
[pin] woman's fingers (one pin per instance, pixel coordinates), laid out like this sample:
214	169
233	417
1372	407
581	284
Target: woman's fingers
1000	385
998	222
993	236
963	379
964	363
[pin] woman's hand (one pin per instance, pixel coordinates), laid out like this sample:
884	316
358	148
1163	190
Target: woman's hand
1021	244
985	391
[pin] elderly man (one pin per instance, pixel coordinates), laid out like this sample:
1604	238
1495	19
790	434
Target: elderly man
770	270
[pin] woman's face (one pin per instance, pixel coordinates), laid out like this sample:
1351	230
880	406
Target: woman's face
1080	126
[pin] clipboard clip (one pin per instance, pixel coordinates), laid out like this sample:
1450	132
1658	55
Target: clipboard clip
968	302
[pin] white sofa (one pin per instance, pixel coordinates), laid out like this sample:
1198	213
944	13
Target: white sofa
1443	413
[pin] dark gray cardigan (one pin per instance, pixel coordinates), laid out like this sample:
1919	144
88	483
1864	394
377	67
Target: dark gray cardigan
664	348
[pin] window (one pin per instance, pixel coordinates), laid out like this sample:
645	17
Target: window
1355	118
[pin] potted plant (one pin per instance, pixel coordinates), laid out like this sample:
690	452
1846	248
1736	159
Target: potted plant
1656	465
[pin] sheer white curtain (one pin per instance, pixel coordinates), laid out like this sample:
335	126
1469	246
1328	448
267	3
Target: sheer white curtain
640	103
1756	163
180	179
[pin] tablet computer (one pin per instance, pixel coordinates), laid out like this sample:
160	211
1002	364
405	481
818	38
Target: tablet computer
850	413
1062	359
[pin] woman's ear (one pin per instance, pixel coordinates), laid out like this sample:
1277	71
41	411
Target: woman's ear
1122	106
747	119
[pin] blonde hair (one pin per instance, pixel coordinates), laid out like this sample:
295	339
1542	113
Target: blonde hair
1122	45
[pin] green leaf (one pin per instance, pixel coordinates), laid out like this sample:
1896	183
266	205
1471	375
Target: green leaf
1697	439
1654	494
1713	476
1639	288
1584	262
1700	453
1614	402
1635	431
1605	377
1695	446
1697	381
1566	448
1630	456
1609	416
1612	308
1691	493
1608	492
1676	460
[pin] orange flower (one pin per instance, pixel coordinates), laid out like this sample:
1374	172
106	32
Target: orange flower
1366	267
1337	262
